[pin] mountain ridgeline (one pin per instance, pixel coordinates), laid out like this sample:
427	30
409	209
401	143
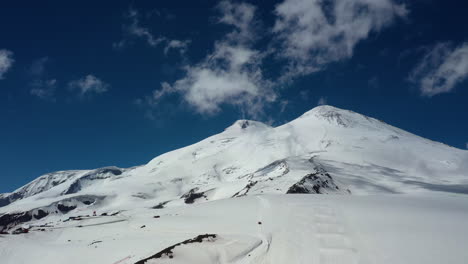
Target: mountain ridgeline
325	151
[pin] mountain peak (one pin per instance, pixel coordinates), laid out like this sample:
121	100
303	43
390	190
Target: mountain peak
326	108
343	118
323	109
334	115
247	125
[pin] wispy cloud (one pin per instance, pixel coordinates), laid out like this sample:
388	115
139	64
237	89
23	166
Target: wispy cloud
441	69
322	101
41	85
178	45
314	33
307	35
231	74
6	62
134	29
88	86
44	89
242	17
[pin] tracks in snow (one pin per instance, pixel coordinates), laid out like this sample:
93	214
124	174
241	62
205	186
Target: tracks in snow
289	231
335	245
324	232
312	232
259	253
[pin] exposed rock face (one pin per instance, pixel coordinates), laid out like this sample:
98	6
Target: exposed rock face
64	208
168	252
40	214
245	190
319	182
160	205
9	220
20	231
192	195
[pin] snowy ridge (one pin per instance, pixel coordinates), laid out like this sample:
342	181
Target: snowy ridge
325	151
361	155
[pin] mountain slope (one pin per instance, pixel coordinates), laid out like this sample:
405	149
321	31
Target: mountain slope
325	151
237	197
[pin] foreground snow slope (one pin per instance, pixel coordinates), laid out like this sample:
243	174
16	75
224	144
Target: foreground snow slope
263	229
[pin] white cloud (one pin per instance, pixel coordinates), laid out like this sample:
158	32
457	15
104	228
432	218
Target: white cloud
283	104
179	45
89	85
231	74
155	97
44	89
241	16
441	69
322	101
135	29
6	62
313	33
307	35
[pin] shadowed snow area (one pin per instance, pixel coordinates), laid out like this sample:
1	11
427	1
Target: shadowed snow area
352	164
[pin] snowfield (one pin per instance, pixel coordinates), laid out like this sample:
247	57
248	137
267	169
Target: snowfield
331	186
263	229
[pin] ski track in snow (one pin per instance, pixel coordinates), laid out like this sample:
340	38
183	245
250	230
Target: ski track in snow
317	235
124	260
334	244
265	234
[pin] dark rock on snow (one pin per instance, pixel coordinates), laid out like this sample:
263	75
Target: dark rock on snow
168	252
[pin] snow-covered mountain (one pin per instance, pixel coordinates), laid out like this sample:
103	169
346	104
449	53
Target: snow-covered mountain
325	151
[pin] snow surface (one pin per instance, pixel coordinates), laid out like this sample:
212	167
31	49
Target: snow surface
294	229
196	191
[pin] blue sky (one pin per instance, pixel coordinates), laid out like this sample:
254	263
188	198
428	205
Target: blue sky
87	84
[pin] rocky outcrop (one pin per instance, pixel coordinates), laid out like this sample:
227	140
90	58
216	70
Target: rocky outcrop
169	251
192	195
319	182
10	220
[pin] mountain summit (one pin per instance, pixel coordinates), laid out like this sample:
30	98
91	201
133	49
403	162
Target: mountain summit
346	151
325	151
